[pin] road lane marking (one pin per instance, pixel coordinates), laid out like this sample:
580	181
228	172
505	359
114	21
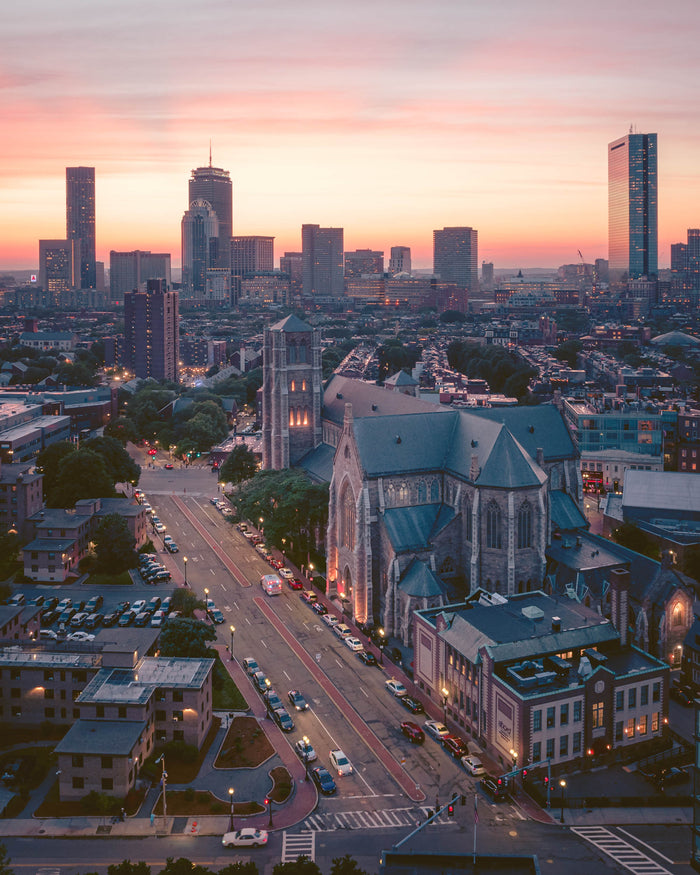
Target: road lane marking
286	675
650	847
223	587
264	643
362	690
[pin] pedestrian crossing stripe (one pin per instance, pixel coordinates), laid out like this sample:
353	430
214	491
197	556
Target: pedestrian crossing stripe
389	818
620	851
295	845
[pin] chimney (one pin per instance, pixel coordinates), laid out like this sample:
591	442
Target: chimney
556	624
474	469
540	457
619	602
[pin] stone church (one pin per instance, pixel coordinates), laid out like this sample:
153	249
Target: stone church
427	502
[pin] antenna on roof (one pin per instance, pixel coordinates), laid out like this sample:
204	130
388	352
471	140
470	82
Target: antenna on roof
210	152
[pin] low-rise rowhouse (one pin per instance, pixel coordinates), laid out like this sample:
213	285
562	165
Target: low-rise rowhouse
535	679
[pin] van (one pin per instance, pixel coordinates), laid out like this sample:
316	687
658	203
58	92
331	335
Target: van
271	583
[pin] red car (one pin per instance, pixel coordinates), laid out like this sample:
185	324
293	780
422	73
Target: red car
413	732
294	583
168	467
455	746
276	563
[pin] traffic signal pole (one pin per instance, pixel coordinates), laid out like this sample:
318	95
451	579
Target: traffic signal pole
437	814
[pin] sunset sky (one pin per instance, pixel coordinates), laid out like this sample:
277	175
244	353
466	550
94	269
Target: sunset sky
387	118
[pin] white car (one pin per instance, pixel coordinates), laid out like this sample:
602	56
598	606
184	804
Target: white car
158	619
245	838
473	765
47	635
396	688
305	751
342	631
160	528
138	605
354	644
341	763
330	620
80	636
286	573
436	729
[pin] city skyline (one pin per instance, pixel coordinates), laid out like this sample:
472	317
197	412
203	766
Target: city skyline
391	125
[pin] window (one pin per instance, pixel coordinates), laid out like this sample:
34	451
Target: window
77	761
618	730
493	526
564	715
15	693
597	715
49	713
536	721
678	614
564	746
632	698
525	525
178	716
642	725
100	711
177	695
620	700
550	748
644	695
629	731
656	692
78	783
536	751
178	735
76	713
655	721
48	694
551	720
121	712
106	762
576	743
107	784
48	675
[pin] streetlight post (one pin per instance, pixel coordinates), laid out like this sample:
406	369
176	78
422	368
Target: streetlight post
230	796
269	808
267	700
232	629
306	756
445	697
206	595
381	646
164	780
562	784
184	562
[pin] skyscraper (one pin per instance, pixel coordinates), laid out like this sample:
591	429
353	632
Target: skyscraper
362	262
80	224
151	332
55	266
322	256
129	270
200	247
252	255
632	207
455	257
400	260
212	184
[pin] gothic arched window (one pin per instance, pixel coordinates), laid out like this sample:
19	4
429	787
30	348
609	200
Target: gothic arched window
493	526
347	519
422	492
434	492
390	495
468	520
525	525
678	614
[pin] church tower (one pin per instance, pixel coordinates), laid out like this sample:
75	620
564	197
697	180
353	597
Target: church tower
292	392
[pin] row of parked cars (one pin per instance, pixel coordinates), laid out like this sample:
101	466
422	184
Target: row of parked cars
153	571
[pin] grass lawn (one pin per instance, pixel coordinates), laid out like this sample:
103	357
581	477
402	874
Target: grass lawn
53	807
121	579
225	694
180	772
245	745
191	803
281	784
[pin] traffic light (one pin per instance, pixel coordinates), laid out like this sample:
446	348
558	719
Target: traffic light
524	775
546	780
451	810
267	800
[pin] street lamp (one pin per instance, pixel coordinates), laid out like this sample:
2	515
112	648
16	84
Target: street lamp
562	784
305	739
514	757
268	802
262	530
267	699
445	697
206	594
230	796
164	781
232	629
185	564
381	646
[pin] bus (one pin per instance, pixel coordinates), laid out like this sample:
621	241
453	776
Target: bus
271	583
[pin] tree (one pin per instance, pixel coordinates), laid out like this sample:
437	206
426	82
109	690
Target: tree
49	460
239	466
81	474
240	868
114	544
568	352
183	866
187	638
300	866
5	868
346	866
126	867
120	466
449	316
185	601
122	429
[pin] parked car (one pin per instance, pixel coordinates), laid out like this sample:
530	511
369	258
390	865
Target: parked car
139	605
342	631
77	620
286	573
48	618
94	604
323	780
435	729
110	619
250	665
413	732
80	637
341	763
683	694
17	600
308	596
159	527
158	619
411	704
354	644
171	547
127	618
298	701
283	720
245	838
396	688
473	765
494	787
260	681
142	619
47	635
153	604
67	616
319	608
216	616
330	620
455	746
367	658
295	583
93	621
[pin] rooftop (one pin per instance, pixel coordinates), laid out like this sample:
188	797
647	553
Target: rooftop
101	737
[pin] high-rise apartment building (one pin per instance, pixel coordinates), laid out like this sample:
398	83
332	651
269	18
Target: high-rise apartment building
128	271
213	185
252	255
455	257
363	262
685	259
632	207
322	261
151	332
400	260
200	247
292	263
56	265
80	224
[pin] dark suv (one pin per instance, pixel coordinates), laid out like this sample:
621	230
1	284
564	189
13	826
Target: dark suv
494	787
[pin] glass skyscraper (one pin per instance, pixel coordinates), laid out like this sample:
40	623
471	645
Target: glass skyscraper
632	207
212	184
80	224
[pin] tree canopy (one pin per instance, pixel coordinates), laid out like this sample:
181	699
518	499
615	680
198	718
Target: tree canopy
114	544
494	364
120	466
81	474
240	465
186	637
392	356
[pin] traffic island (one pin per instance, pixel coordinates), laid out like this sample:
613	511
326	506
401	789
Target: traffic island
245	747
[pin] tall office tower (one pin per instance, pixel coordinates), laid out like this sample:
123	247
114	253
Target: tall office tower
200	247
80	224
632	207
486	274
400	260
455	257
363	262
128	271
152	332
292	263
213	185
55	265
322	261
252	255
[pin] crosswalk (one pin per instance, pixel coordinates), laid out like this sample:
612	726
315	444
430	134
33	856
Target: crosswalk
622	852
385	819
300	844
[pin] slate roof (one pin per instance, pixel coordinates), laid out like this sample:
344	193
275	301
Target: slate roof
292	324
101	737
565	513
318	463
508	465
534	427
419	581
56	545
368	399
412	528
400	378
